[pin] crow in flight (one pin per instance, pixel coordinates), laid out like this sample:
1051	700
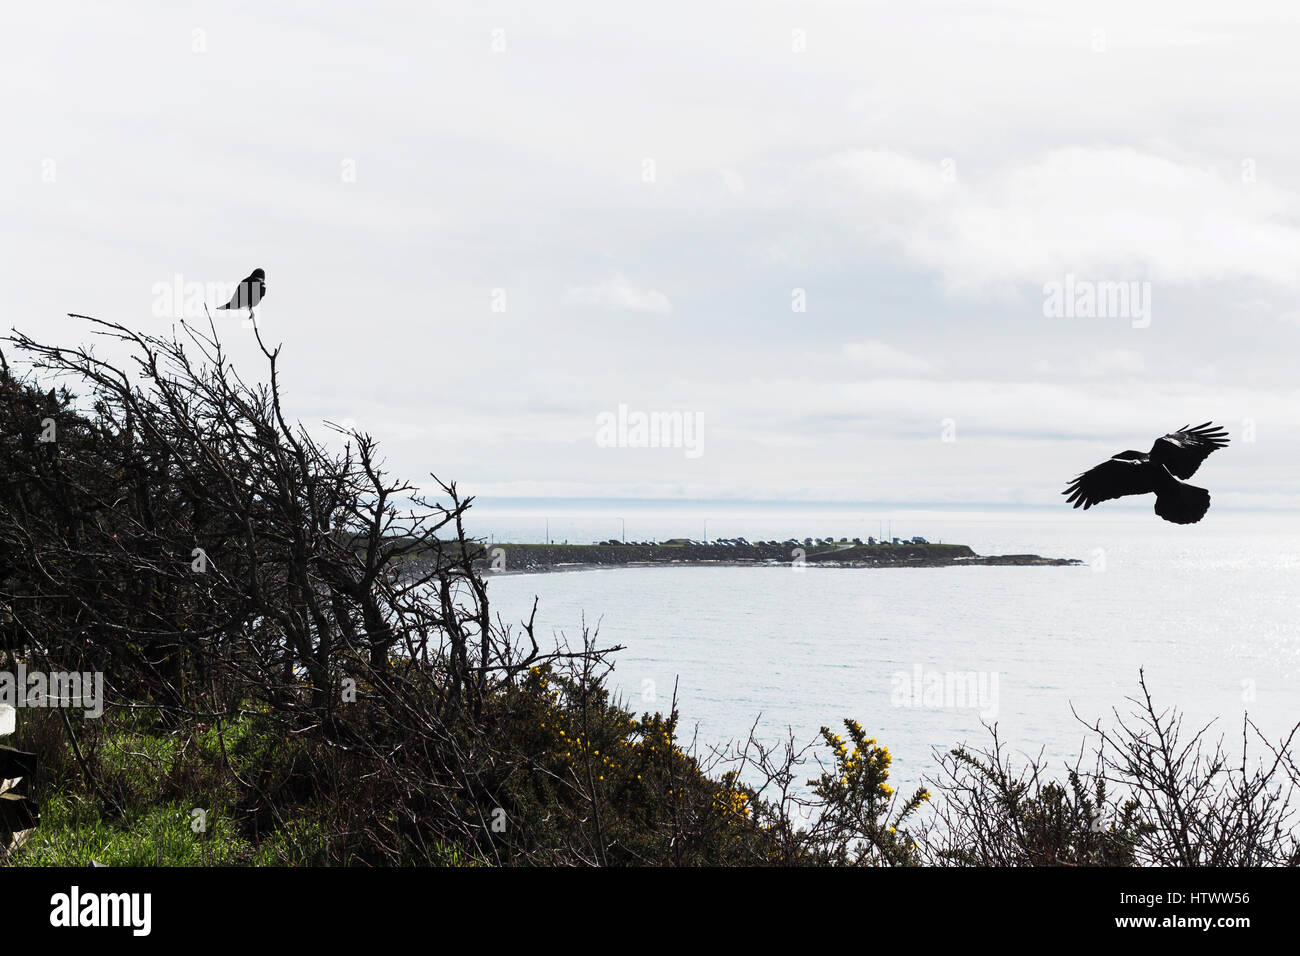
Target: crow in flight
1175	456
249	293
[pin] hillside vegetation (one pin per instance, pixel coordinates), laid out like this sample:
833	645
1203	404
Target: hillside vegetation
283	689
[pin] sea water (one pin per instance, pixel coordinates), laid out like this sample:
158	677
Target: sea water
929	658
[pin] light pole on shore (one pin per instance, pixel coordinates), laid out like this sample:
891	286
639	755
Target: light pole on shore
624	520
706	530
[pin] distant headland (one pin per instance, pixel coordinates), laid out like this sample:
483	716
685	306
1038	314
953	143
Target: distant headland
845	553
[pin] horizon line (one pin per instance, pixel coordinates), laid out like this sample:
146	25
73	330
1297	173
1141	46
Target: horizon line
803	502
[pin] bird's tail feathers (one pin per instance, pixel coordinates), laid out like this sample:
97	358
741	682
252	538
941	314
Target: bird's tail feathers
1182	503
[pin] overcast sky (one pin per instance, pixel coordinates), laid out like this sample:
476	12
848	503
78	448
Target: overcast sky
486	224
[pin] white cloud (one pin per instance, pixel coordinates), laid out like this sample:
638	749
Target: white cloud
1101	213
733	182
1097	364
880	357
618	294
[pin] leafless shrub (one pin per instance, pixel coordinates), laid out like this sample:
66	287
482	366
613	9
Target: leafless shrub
175	531
1153	796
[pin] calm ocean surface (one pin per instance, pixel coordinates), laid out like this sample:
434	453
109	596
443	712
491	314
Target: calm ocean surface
1210	612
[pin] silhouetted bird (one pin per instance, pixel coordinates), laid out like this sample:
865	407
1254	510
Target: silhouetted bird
1175	456
249	293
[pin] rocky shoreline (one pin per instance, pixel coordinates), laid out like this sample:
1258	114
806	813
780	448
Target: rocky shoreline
540	558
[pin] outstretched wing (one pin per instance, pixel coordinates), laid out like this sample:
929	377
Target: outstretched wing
1111	479
1183	451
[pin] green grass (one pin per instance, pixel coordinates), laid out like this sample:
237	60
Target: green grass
154	781
73	832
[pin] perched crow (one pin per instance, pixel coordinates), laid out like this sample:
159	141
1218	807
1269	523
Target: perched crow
249	293
1175	456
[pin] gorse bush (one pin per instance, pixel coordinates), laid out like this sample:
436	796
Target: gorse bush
860	821
298	652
